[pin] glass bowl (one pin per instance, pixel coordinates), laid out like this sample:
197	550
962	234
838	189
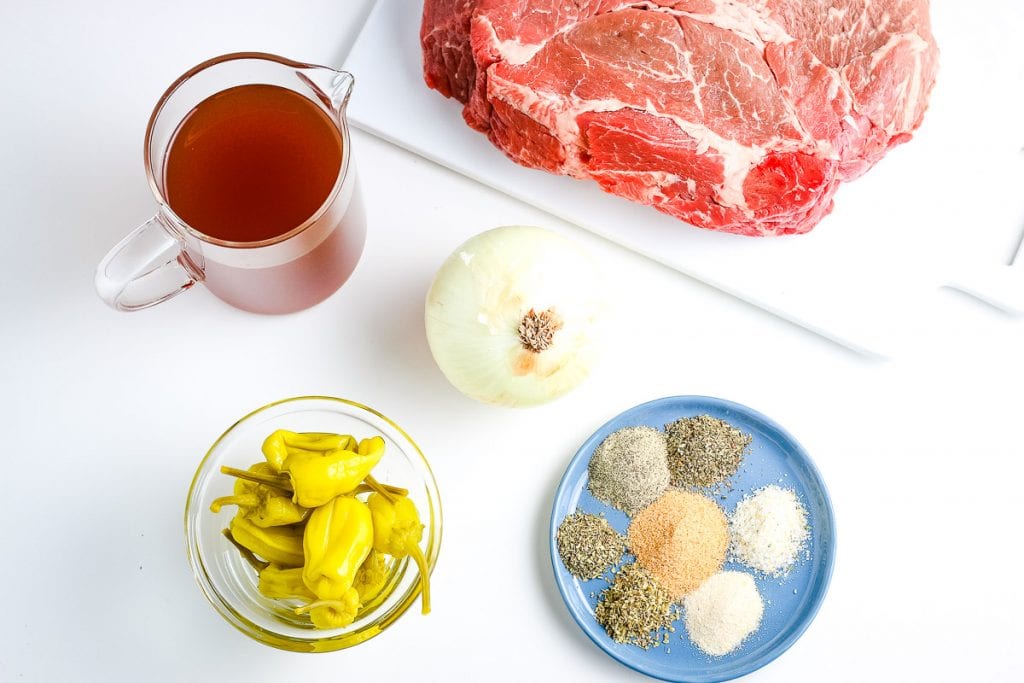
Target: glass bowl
227	579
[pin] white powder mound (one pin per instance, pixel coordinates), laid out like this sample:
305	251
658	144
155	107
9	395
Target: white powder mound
768	530
722	612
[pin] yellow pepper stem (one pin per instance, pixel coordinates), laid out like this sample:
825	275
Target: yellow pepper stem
382	489
421	563
367	488
338	604
243	500
280	481
257	564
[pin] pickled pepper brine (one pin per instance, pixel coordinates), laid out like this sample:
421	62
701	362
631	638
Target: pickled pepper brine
304	523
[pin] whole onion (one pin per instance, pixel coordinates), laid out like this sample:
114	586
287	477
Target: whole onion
512	316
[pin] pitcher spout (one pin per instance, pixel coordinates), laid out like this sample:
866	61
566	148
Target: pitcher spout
341	89
330	86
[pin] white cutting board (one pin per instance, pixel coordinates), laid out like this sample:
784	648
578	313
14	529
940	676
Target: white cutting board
947	203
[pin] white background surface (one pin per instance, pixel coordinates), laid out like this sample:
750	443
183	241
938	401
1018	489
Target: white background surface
107	414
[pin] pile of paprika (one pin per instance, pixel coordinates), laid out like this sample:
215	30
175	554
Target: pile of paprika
306	533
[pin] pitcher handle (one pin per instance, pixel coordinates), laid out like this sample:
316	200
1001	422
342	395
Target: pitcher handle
147	267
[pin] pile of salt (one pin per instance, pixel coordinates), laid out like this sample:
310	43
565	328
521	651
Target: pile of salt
768	530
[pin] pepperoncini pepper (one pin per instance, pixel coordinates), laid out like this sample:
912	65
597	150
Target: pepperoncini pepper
333	613
283	582
371	577
338	538
280	544
316	478
265	505
397	531
282	443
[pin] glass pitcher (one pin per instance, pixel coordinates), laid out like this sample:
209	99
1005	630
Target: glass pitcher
289	272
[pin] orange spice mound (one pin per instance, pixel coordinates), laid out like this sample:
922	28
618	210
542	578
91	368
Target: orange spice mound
681	539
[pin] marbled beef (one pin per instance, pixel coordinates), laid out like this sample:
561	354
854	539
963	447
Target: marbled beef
734	115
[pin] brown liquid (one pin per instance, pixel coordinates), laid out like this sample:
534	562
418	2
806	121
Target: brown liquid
304	281
251	163
254	162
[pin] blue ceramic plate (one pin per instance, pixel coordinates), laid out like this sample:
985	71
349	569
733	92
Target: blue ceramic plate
774	457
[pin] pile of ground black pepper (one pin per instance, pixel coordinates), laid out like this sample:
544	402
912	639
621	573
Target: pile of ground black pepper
629	470
588	545
704	451
636	609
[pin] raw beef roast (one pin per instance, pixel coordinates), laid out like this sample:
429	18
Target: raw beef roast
734	115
